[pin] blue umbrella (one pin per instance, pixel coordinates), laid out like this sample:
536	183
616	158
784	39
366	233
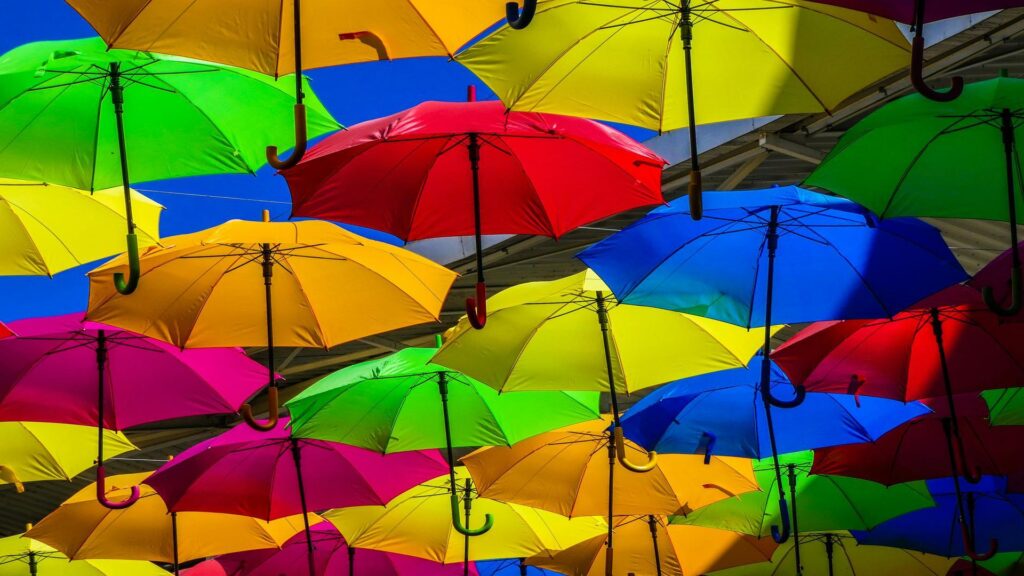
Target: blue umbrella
991	514
509	567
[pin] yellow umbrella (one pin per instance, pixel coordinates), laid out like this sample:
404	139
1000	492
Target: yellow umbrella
34	451
418	523
650	63
572	471
82	528
279	37
50	228
242	283
649	545
20	556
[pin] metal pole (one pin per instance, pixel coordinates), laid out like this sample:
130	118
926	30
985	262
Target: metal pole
174	540
653	523
791	470
696	181
602	318
302	500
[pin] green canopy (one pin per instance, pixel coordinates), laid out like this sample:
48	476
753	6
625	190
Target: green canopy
1005	406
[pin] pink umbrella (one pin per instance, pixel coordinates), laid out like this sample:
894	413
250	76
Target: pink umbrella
246	471
48	373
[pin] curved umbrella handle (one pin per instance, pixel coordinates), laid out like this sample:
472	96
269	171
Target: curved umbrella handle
917	76
272	406
1015	295
300	143
134	268
801	394
457	522
620	453
781	537
369	39
709	446
101	492
993	545
518	20
695	191
476	308
8	475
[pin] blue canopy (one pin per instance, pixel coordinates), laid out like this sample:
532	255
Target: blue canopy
835	260
509	567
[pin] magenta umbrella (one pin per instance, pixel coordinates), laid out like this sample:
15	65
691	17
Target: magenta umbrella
64	369
271	474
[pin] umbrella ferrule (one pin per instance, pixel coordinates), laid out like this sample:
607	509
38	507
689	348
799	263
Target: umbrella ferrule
1007	128
474	151
442	385
773	232
936	325
685	24
268	264
116	89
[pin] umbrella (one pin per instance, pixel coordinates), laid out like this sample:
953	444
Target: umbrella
991	514
270	38
565	471
20	556
417	523
270	474
1005	406
960	159
451	169
402	402
332	287
57	120
83	529
509	567
44	227
838	554
677	550
34	451
54	367
209	567
645	63
837	261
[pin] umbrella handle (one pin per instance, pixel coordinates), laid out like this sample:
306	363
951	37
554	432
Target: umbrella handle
300	143
781	537
620	453
101	492
709	446
695	192
917	76
518	20
8	475
801	394
272	406
476	308
993	545
1015	293
134	268
457	522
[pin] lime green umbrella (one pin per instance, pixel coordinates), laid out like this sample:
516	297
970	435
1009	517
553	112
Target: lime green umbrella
959	159
403	402
76	114
1005	406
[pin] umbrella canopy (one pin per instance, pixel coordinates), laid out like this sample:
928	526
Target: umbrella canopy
566	472
394	404
209	567
509	567
936	530
825	502
417	522
681	550
21	556
83	529
838	554
720	413
1006	406
45	231
34	451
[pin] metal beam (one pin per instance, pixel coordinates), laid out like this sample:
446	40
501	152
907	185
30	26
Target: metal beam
743	171
776	143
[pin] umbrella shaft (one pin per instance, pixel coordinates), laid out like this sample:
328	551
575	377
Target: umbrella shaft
268	278
474	164
32	564
602	319
829	550
1009	148
351	561
653	523
297	23
686	35
791	472
117	97
101	368
302	501
611	498
174	541
442	388
954	469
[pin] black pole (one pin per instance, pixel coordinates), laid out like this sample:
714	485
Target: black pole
947	428
32	563
467	502
117	96
474	163
602	318
351	561
267	263
696	181
653	523
174	540
1009	147
609	554
101	363
954	425
297	32
791	472
522	567
829	550
302	500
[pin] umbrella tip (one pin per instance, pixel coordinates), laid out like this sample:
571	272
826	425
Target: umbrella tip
438	340
266	215
28	526
471	93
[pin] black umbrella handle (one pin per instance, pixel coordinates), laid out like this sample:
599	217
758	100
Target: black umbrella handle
917	64
517	20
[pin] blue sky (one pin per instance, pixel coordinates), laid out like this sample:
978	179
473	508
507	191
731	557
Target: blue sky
352	93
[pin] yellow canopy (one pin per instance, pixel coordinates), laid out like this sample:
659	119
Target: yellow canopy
49	228
330	286
682	550
19	554
33	451
82	528
418	523
623	61
259	35
546	336
566	471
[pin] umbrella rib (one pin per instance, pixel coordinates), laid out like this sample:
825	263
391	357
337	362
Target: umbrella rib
913	164
34	117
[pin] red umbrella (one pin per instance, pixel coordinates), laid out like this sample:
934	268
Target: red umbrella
996	276
456	169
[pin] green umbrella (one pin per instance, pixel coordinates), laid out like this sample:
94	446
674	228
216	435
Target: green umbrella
403	402
1005	406
165	117
959	159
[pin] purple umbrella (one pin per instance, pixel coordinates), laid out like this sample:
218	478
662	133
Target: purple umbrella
63	369
246	471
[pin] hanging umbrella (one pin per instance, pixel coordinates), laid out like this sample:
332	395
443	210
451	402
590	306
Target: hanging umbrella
649	545
273	39
34	451
959	159
417	523
453	169
57	124
997	276
1005	406
836	261
44	227
332	286
1002	564
21	556
650	63
838	554
64	369
402	402
573	472
209	567
81	528
271	474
